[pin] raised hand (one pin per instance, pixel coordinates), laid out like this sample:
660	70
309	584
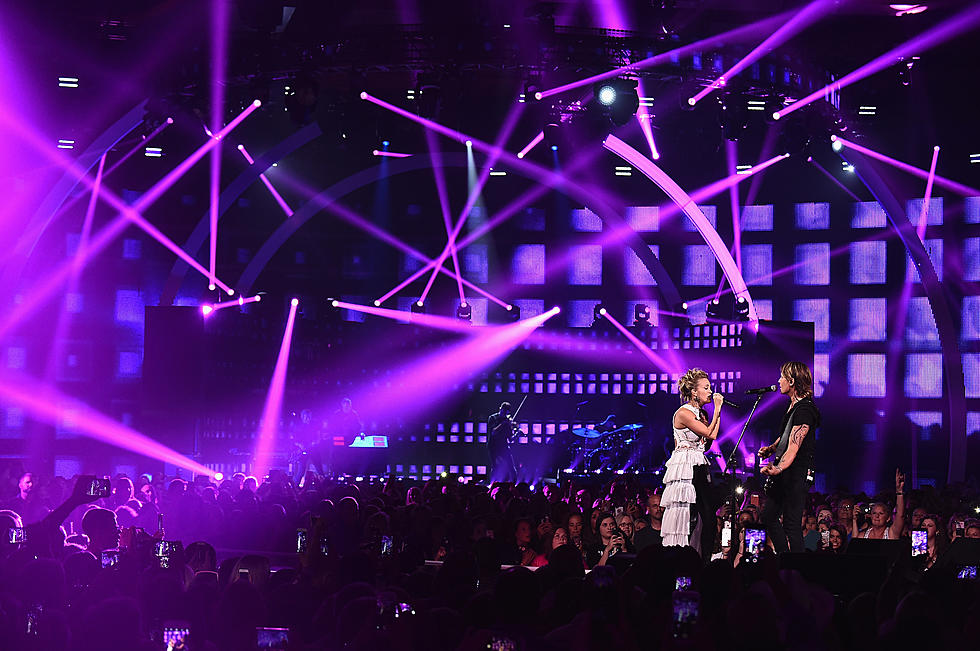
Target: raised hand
899	481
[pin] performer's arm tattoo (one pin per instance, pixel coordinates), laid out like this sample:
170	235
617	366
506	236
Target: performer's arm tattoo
799	433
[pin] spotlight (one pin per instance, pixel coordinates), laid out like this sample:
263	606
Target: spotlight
641	315
211	287
554	148
464	312
385	143
713	310
836	143
606	95
294	302
469	143
617	99
335	303
206	310
598	315
218	476
418	307
742	309
377	303
514	312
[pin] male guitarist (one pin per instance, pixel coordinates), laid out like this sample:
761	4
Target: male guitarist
789	472
501	429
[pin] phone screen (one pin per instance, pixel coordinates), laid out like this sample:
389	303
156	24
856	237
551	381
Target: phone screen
110	557
687	606
175	637
920	542
825	538
755	542
99	487
682	583
386	545
272	638
16	535
301	535
726	534
968	572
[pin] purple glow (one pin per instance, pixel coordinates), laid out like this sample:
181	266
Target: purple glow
210	308
921	228
658	362
413	318
271	412
50	406
219	63
728	37
690	208
444	207
41	293
268	184
798	22
643	116
948	29
915	171
531	145
731	158
432	377
390	154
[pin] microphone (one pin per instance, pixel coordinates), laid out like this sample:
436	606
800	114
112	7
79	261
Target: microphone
727	402
768	389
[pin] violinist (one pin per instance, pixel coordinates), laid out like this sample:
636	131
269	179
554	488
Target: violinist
501	429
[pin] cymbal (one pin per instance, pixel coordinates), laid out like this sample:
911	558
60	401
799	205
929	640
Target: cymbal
586	433
629	428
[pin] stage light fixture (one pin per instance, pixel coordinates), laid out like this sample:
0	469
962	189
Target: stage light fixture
464	312
742	309
599	314
713	310
606	95
641	315
418	307
294	302
514	312
836	144
218	476
617	99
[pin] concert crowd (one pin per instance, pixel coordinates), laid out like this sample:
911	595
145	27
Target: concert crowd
157	563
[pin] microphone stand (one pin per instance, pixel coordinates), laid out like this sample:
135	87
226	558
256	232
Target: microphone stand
730	466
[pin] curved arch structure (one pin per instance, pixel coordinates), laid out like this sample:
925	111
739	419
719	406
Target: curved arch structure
578	192
948	338
686	204
49	207
228	197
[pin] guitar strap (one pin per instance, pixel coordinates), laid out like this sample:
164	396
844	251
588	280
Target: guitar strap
784	439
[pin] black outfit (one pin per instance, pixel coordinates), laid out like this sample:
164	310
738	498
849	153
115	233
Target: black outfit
705	509
786	495
647	537
499	432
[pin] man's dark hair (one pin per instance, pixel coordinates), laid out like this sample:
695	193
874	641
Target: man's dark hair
505	406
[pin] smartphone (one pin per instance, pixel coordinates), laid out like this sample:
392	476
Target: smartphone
726	534
687	607
619	511
301	537
755	543
243	574
271	638
99	487
16	535
682	583
500	643
110	558
960	528
33	616
324	547
825	539
920	542
968	572
386	545
165	550
175	635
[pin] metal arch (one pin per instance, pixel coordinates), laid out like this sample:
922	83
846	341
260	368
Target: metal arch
49	207
230	194
948	338
687	205
665	283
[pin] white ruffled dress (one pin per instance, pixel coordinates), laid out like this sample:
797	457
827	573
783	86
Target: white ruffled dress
679	494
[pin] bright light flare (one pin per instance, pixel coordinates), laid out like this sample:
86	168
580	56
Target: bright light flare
272	410
915	171
531	145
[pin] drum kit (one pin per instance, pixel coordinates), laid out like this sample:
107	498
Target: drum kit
596	450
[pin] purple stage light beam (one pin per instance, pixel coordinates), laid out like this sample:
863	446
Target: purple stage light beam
432	378
944	31
40	294
140	145
268	184
921	228
428	320
209	308
688	205
643	117
531	145
905	167
390	154
658	362
272	410
797	23
731	36
833	178
731	158
446	219
219	63
46	404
